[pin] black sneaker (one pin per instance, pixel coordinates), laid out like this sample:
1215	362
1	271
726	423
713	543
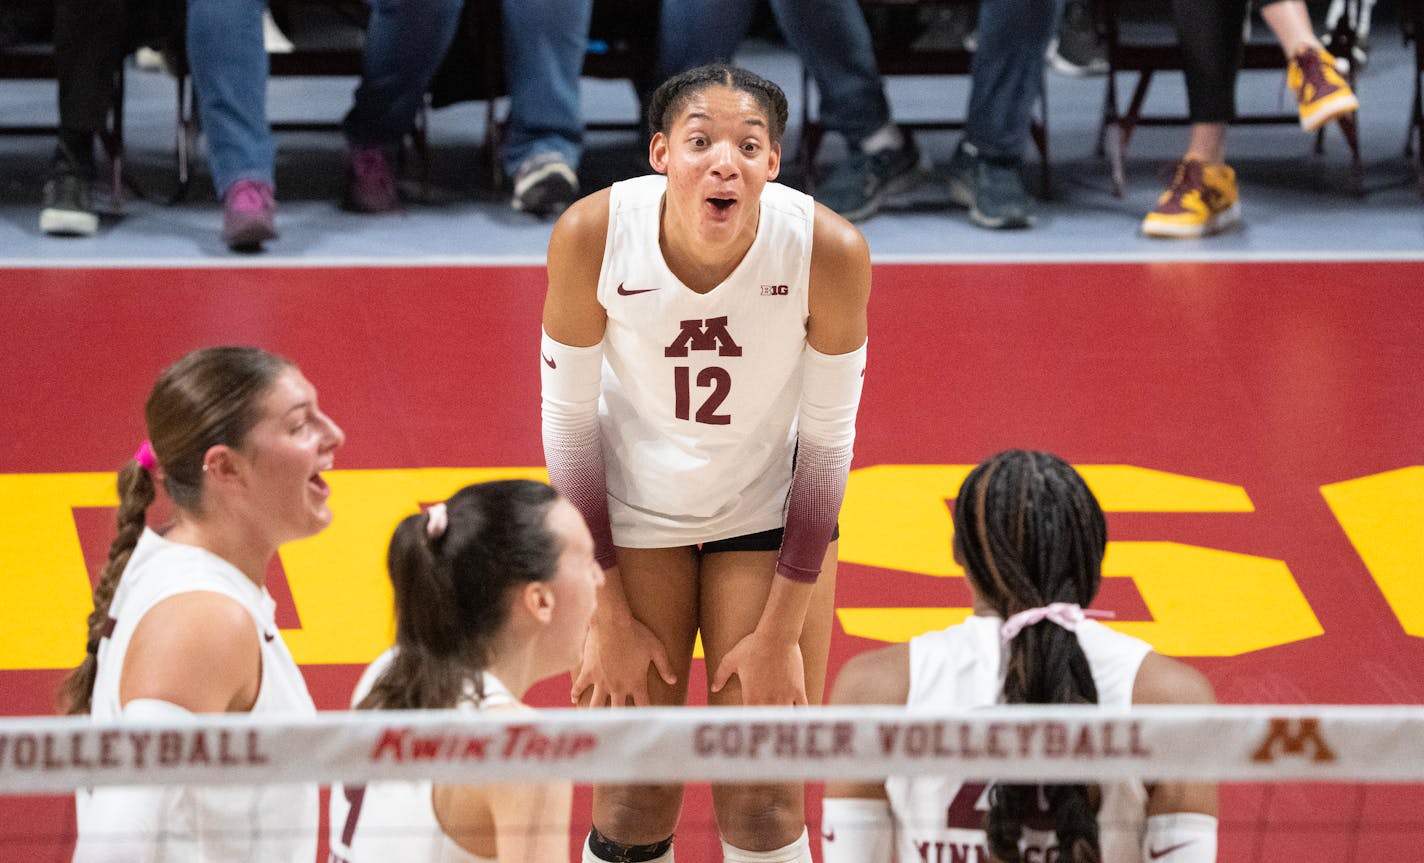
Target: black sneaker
545	185
992	188
68	211
1078	50
861	182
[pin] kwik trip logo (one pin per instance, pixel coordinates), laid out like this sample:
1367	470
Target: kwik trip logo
1295	737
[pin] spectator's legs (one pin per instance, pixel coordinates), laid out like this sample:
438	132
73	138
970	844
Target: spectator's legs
1007	74
1322	93
89	46
696	32
1290	21
545	41
1203	198
89	41
833	40
1209	37
229	66
406	41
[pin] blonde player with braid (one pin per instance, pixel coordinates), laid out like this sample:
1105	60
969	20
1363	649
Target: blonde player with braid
1030	537
182	622
703	353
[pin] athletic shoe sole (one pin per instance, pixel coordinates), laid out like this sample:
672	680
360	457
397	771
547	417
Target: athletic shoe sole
1225	220
962	195
1329	108
68	223
896	185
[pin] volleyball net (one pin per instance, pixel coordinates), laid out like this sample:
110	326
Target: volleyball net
1370	758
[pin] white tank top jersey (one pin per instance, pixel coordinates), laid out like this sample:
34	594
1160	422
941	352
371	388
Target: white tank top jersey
199	823
388	821
701	391
939	818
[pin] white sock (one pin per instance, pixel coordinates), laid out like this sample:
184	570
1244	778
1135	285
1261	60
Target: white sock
589	857
797	852
887	137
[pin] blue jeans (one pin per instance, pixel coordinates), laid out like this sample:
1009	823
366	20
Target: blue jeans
830	36
228	62
1008	73
544	42
832	39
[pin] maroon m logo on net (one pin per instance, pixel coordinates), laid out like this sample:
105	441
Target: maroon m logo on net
708	335
1300	737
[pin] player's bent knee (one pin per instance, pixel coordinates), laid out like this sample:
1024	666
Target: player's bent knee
637	814
759	817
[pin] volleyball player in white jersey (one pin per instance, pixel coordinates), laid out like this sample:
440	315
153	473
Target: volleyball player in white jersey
1030	537
703	353
493	592
182	622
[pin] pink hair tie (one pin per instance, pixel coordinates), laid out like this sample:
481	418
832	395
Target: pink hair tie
145	457
1066	614
437	518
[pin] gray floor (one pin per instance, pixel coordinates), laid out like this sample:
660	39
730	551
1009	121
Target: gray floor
1296	205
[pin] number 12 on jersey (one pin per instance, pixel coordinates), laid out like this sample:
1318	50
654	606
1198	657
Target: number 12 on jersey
715	378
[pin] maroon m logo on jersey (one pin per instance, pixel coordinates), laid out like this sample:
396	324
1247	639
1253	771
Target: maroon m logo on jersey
708	335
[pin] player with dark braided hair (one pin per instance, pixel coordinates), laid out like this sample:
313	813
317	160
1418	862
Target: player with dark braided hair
1031	538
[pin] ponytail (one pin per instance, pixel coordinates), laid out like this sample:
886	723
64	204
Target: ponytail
455	570
428	671
209	396
136	493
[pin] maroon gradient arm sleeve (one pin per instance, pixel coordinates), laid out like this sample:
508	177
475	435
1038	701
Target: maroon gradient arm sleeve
830	398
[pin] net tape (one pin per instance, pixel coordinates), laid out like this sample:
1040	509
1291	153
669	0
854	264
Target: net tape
1019	743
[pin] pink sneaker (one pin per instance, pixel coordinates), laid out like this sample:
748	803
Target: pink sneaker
370	181
249	213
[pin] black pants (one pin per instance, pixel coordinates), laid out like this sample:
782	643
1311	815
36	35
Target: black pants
1209	37
91	39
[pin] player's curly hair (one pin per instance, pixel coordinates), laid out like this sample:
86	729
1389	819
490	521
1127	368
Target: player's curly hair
1030	533
674	94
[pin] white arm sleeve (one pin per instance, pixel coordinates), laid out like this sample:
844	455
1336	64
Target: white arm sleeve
571	381
1180	837
856	830
130	824
830	398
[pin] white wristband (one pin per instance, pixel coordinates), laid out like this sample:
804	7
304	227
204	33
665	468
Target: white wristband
1180	837
856	830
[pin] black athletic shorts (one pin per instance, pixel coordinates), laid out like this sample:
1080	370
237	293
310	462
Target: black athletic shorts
766	540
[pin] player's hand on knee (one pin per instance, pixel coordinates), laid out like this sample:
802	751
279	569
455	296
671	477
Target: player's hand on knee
770	670
614	671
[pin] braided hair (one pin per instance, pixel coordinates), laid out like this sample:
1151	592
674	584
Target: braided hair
209	397
672	95
1030	533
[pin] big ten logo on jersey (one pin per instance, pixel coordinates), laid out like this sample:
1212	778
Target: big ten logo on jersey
699	335
775	290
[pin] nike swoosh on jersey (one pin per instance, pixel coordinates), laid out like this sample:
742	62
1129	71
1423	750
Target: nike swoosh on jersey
1153	853
624	292
829	835
549	361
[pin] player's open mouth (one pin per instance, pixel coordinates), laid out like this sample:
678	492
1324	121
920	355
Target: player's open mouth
722	204
318	485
